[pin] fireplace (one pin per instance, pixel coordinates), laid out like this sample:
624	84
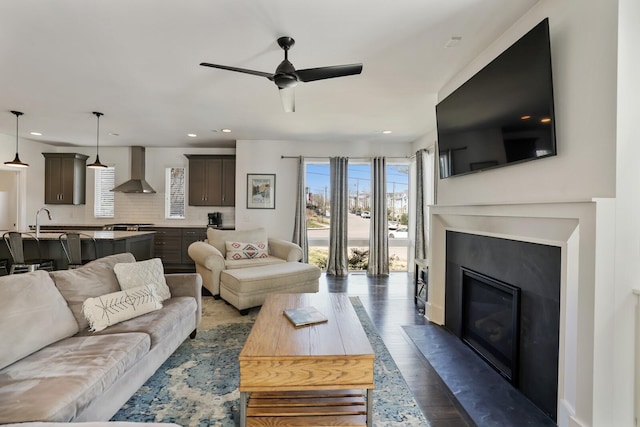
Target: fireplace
491	321
502	297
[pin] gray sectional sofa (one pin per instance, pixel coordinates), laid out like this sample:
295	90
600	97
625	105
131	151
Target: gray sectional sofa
52	368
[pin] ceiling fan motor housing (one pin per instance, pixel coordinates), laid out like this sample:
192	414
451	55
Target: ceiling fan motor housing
285	75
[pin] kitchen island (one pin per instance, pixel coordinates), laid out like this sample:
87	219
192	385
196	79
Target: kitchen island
138	243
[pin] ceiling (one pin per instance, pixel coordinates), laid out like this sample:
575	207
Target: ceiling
136	61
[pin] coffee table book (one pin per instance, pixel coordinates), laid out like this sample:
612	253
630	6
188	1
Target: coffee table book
305	316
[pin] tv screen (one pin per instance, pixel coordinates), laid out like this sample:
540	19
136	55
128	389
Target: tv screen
503	114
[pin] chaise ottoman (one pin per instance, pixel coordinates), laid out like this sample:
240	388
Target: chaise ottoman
248	287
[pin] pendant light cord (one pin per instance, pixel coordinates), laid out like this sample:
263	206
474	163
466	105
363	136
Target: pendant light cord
98	133
18	114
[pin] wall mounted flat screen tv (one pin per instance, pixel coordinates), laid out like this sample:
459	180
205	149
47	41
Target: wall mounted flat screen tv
503	114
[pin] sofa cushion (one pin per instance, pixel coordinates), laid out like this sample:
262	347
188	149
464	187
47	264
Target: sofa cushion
33	315
149	272
217	238
158	324
93	424
116	307
232	264
59	381
89	281
286	275
242	250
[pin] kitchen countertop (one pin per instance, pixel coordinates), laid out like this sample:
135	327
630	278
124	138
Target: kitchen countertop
96	234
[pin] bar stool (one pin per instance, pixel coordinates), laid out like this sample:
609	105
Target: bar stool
13	240
72	246
3	267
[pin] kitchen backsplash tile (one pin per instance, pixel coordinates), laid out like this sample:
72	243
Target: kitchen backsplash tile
138	208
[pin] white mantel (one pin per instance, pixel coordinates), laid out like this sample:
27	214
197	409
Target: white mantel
584	230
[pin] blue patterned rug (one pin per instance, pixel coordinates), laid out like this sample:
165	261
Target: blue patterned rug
198	385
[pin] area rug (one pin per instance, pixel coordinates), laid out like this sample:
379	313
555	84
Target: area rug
198	384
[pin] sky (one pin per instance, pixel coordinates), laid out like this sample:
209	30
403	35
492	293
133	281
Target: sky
359	176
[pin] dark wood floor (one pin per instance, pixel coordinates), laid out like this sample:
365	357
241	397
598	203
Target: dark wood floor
389	302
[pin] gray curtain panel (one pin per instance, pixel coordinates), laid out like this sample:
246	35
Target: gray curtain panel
300	219
421	220
379	237
338	262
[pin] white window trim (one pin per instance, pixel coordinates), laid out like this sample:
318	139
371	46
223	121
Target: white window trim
104	199
169	193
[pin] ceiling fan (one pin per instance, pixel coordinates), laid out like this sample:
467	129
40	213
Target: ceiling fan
286	77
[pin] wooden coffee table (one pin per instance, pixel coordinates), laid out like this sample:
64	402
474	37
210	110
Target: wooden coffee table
314	375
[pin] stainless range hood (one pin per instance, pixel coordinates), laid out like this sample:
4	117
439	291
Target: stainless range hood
136	184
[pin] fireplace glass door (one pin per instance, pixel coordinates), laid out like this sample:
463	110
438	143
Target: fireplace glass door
490	321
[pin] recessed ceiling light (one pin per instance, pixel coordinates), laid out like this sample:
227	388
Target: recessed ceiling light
453	41
226	130
525	117
35	133
191	135
387	132
545	120
114	134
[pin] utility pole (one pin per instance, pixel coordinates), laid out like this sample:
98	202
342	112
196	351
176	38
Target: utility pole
393	201
324	204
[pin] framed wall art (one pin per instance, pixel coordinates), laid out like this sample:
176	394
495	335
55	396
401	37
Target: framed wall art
261	191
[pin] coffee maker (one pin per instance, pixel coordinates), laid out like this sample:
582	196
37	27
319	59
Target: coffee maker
215	219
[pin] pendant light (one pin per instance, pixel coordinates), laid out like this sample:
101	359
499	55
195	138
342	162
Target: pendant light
97	164
16	162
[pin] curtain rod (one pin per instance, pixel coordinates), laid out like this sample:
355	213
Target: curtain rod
325	157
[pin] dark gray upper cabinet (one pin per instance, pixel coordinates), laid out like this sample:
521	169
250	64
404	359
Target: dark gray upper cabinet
212	180
65	176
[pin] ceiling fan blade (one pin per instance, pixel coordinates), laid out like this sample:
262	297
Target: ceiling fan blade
240	70
321	73
288	98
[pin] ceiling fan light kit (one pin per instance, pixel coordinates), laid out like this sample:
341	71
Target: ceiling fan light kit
286	77
16	162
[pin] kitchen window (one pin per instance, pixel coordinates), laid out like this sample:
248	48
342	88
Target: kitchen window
105	179
175	193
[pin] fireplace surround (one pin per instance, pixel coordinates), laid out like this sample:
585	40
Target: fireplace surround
525	274
580	229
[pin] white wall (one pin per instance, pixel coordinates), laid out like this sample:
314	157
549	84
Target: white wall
30	180
251	157
583	39
144	208
596	108
621	317
264	157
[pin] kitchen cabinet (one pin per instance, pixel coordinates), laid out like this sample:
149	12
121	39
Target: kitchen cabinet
65	178
212	180
190	235
171	245
167	245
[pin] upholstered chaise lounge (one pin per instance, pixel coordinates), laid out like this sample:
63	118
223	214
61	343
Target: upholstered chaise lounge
211	256
243	267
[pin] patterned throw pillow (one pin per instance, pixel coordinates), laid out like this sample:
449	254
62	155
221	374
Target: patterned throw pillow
149	272
240	250
116	307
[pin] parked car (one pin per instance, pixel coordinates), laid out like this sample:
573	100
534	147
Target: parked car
400	233
365	214
393	225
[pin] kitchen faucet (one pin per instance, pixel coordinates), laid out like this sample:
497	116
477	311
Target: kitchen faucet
38	219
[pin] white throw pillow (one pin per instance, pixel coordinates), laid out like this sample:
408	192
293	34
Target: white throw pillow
149	272
116	307
240	250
